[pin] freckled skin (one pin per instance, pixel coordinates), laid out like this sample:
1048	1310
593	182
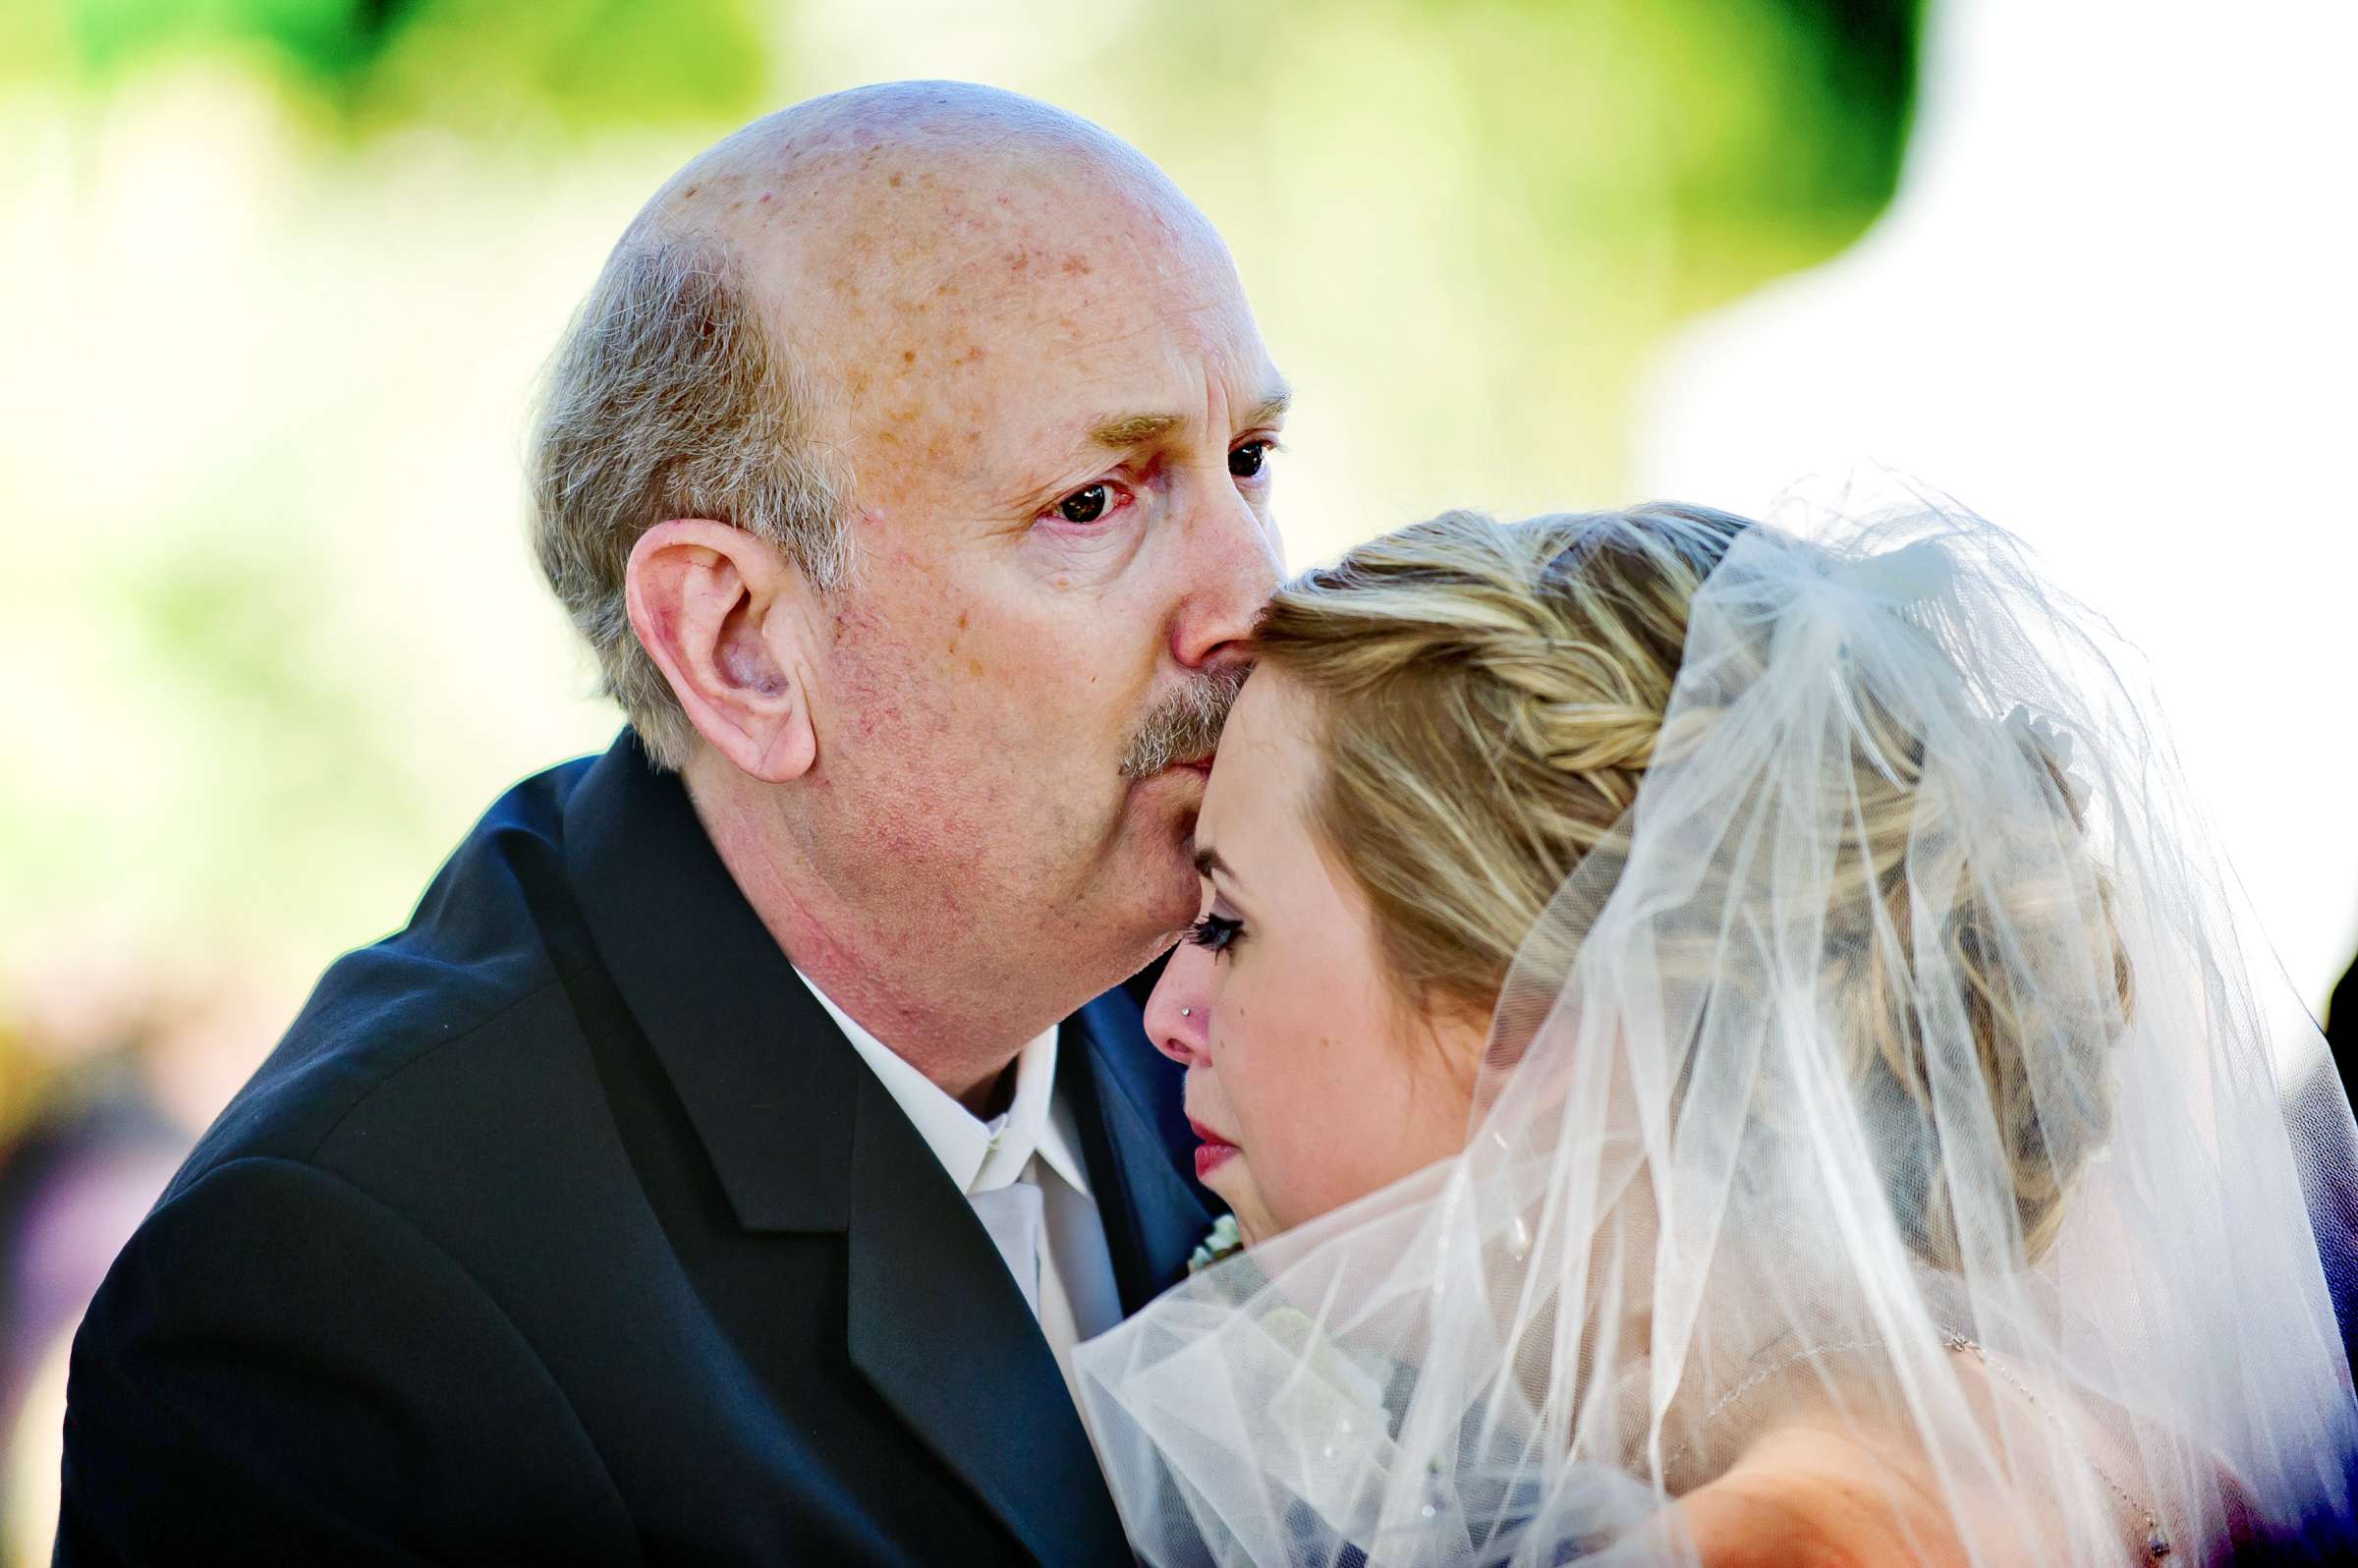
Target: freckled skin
964	838
1296	1051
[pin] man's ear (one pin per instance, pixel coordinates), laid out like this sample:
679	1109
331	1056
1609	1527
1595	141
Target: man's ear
725	617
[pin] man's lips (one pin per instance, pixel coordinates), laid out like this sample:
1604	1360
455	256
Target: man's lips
1198	771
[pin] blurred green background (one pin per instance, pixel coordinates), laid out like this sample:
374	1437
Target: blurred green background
282	271
287	269
279	275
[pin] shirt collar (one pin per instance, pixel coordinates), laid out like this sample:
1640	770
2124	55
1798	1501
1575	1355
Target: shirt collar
979	1157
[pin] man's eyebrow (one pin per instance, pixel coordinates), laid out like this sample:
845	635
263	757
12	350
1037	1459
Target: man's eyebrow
1134	429
1127	430
1272	407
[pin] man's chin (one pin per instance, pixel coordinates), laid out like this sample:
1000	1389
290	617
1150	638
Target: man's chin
1170	919
1152	869
1165	895
1164	805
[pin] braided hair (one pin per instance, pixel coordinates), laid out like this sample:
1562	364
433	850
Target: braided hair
1491	695
1489	698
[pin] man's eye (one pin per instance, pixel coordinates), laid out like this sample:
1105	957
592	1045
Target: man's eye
1086	505
1247	460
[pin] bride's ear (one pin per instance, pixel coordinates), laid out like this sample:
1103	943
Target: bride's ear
726	617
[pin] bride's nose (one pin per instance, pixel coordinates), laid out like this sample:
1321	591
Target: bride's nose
1178	1012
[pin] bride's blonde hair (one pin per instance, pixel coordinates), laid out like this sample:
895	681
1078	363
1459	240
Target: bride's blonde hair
1489	698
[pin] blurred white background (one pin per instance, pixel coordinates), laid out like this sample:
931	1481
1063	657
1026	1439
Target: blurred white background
2111	308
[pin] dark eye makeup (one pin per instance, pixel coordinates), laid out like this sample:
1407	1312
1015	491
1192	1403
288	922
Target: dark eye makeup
1214	933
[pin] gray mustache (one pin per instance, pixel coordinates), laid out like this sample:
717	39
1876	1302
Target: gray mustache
1185	726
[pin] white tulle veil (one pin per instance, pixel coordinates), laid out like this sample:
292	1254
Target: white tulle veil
1749	1149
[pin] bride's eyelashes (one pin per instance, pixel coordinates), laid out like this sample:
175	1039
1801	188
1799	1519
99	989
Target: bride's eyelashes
1214	933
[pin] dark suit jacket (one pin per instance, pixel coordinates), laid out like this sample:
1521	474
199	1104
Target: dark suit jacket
564	1226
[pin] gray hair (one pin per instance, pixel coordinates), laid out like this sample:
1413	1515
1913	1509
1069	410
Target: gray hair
666	398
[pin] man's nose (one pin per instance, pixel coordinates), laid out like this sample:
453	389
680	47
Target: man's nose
1178	1013
1231	568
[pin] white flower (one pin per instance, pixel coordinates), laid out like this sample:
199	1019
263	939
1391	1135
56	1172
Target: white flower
1222	1241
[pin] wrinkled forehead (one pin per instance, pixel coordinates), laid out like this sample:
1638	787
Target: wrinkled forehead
1089	320
987	303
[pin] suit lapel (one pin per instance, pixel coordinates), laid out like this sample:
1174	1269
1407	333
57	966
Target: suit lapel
764	1077
939	1326
805	1139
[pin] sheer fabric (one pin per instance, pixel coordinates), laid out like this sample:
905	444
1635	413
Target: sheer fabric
1904	1067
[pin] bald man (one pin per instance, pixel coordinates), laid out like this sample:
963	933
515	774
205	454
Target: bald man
722	1164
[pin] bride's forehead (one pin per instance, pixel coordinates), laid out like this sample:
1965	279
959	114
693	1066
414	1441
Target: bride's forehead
1265	731
1272	707
1268	758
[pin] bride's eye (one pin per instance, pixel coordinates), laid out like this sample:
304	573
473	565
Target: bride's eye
1214	933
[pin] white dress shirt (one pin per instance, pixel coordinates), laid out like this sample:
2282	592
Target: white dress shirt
1033	1141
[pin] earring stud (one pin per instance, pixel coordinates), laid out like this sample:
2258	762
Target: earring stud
1187	1012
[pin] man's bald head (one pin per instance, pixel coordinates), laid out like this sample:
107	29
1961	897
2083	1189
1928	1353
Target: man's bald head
831	161
869	213
813	285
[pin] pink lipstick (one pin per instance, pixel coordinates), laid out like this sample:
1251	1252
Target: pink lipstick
1214	1153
